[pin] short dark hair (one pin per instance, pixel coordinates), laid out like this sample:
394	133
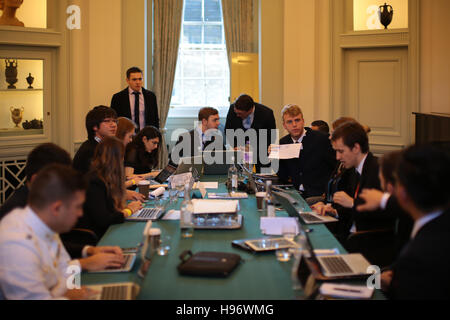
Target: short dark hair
322	125
96	116
244	102
424	171
388	165
352	133
133	70
43	155
53	183
206	112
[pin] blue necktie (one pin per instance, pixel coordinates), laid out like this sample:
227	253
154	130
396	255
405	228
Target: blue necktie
247	123
136	110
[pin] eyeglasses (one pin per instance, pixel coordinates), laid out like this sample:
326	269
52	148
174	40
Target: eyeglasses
111	121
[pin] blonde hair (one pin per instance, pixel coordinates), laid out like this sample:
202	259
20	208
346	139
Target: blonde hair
292	110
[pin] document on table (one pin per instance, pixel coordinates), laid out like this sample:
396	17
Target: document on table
285	151
172	215
274	226
202	206
207	185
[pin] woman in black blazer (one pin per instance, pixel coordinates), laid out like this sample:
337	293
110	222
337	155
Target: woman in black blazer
105	197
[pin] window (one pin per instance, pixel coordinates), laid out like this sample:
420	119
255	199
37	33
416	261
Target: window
202	76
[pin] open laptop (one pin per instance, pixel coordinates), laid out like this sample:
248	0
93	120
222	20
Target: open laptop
340	266
115	291
191	164
130	258
146	214
307	217
165	174
222	161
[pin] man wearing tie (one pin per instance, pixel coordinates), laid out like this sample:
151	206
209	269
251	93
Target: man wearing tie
135	102
351	144
194	142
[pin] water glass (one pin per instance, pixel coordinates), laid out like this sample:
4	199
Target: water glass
164	245
282	254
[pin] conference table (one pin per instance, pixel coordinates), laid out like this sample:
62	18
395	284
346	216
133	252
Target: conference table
260	276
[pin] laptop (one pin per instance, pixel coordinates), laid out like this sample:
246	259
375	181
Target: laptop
130	258
165	174
340	266
307	217
115	291
222	161
146	214
191	164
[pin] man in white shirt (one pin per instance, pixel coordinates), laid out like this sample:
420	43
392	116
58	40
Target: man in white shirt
33	262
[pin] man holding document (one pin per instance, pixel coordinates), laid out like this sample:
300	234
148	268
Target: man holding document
306	156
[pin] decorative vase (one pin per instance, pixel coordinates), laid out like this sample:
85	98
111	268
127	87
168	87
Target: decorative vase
30	80
385	13
11	73
17	115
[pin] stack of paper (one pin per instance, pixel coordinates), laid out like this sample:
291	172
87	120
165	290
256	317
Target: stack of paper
206	185
202	206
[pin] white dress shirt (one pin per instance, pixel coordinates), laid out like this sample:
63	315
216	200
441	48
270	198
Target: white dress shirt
247	122
300	140
33	261
141	107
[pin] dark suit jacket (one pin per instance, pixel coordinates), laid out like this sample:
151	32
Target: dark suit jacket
194	148
366	220
83	157
99	210
404	223
421	271
263	119
121	103
314	166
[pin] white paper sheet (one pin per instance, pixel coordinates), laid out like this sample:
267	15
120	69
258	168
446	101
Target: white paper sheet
172	215
285	151
202	206
274	226
207	185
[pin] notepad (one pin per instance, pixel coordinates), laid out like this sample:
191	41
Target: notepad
202	206
207	185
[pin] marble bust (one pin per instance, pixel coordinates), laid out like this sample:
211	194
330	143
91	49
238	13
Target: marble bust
9	8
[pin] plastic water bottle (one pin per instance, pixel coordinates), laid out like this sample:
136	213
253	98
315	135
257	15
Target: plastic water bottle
233	177
186	211
269	201
248	157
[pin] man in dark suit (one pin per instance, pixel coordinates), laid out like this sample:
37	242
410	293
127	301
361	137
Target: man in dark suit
101	122
205	136
351	144
422	189
135	102
310	171
250	117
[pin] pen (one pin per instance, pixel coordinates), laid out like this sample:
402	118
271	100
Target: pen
347	290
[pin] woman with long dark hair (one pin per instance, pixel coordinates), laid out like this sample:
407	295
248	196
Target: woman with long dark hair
142	153
106	195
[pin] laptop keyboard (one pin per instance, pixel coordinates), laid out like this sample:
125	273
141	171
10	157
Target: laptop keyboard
118	292
336	265
149	213
127	258
309	217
